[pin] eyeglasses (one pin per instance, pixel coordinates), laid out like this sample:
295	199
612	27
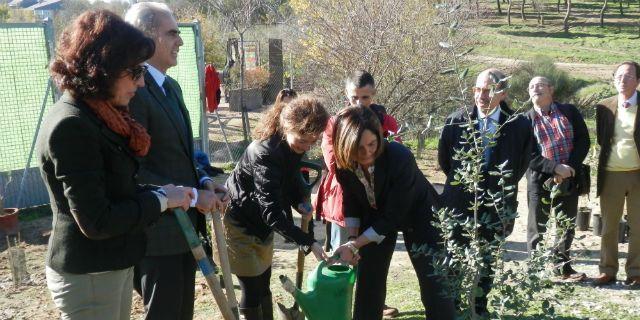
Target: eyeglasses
137	72
622	77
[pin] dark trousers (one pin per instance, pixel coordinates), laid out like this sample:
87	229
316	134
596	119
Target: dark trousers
488	235
373	268
255	289
166	284
539	215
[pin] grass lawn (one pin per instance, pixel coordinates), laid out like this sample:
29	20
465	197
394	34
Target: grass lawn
586	42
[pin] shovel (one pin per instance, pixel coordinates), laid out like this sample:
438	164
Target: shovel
294	312
204	264
304	169
223	254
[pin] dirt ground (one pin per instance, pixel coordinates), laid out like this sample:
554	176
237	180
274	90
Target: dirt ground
32	300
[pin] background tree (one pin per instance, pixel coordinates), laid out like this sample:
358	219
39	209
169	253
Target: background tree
565	21
604	8
240	16
397	41
4	13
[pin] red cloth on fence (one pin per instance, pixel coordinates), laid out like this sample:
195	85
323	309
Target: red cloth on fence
212	87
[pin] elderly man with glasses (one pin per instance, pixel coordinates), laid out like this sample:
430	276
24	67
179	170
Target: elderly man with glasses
618	132
562	144
505	137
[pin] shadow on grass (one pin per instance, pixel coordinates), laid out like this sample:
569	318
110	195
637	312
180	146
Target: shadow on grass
411	315
547	34
541	316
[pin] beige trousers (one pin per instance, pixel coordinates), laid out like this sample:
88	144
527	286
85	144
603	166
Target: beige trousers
618	187
94	296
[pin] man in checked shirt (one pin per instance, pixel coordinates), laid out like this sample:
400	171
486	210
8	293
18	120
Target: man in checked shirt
562	143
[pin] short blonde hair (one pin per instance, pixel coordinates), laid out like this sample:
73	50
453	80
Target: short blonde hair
350	123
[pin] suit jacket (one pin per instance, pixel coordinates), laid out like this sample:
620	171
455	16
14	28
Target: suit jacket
404	197
542	168
513	145
99	212
605	125
170	159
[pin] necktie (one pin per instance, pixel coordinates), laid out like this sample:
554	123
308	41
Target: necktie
626	104
487	129
174	105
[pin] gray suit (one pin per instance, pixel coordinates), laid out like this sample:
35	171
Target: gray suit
170	158
166	275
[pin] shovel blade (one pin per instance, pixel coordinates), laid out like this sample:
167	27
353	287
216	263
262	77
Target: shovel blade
292	313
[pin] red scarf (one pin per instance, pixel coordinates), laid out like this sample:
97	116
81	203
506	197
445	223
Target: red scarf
120	121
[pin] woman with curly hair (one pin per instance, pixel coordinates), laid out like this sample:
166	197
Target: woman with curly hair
87	148
263	187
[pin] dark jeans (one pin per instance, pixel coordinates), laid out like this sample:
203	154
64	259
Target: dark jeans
539	215
373	268
166	284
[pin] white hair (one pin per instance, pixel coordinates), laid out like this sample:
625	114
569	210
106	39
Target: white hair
145	16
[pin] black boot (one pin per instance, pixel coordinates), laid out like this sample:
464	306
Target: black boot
251	313
267	307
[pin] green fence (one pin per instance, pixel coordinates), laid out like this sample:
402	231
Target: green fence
25	51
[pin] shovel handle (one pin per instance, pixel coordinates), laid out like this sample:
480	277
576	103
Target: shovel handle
304	225
203	263
223	255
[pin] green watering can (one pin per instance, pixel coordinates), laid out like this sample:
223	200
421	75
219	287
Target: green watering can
329	292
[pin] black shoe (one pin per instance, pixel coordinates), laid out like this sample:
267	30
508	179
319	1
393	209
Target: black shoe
569	274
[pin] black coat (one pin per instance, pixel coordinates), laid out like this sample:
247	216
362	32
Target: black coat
404	197
513	144
264	186
99	212
170	160
542	168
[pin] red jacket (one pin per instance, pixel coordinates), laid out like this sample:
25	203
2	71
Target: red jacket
212	87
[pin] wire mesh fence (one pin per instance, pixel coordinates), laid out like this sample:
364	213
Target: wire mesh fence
266	74
25	93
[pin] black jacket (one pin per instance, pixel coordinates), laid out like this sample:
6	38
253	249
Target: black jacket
540	167
264	186
99	212
170	160
513	144
404	197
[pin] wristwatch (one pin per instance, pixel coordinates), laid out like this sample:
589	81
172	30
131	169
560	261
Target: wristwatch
352	247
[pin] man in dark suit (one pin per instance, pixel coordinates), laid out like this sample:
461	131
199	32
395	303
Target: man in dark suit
511	142
166	276
562	144
618	132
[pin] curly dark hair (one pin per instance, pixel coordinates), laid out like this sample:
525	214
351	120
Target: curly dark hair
303	115
94	51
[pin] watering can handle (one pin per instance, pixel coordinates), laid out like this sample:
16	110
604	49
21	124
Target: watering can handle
312	166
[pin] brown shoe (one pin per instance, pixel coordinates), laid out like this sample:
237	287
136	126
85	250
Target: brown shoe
389	312
603	279
633	281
